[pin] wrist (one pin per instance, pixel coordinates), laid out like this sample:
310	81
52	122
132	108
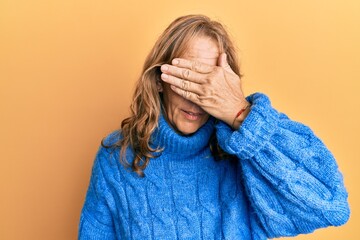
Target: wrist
241	115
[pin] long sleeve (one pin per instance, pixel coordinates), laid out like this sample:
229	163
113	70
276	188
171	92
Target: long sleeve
291	179
96	221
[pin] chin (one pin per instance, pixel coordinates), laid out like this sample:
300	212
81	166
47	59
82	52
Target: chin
187	132
187	129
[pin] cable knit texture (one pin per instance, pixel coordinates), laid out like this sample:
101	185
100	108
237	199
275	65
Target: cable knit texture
284	182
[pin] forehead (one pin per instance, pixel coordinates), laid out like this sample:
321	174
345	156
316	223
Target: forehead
202	49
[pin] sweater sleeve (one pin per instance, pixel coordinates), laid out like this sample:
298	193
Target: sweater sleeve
96	220
291	179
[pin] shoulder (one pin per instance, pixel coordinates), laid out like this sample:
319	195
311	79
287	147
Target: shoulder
108	155
109	145
112	138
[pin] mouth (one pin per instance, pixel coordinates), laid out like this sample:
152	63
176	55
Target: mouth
192	115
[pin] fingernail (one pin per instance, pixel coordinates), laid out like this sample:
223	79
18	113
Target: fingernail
175	61
164	68
164	76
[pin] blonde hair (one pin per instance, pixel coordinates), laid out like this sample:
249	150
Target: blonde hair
137	129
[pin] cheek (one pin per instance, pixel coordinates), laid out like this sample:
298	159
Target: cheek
171	99
171	103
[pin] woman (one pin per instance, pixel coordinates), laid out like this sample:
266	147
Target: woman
198	160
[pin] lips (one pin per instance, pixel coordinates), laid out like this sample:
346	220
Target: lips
193	116
193	113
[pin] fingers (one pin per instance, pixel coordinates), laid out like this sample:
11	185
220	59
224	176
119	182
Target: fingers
181	83
192	65
193	97
182	73
222	62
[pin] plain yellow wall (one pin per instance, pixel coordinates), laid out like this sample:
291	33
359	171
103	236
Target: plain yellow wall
67	71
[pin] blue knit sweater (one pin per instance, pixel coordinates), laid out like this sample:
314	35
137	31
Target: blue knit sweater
284	182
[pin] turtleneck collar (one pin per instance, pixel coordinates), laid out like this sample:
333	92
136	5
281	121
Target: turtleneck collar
172	142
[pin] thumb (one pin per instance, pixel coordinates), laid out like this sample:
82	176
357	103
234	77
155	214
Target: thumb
222	61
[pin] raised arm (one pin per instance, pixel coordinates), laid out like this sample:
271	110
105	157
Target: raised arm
291	178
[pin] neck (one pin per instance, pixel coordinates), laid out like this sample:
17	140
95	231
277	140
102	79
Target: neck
175	143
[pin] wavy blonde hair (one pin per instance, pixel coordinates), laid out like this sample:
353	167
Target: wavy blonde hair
137	129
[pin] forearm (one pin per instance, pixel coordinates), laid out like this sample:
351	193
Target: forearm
285	162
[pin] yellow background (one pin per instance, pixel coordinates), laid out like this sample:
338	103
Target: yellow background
67	71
